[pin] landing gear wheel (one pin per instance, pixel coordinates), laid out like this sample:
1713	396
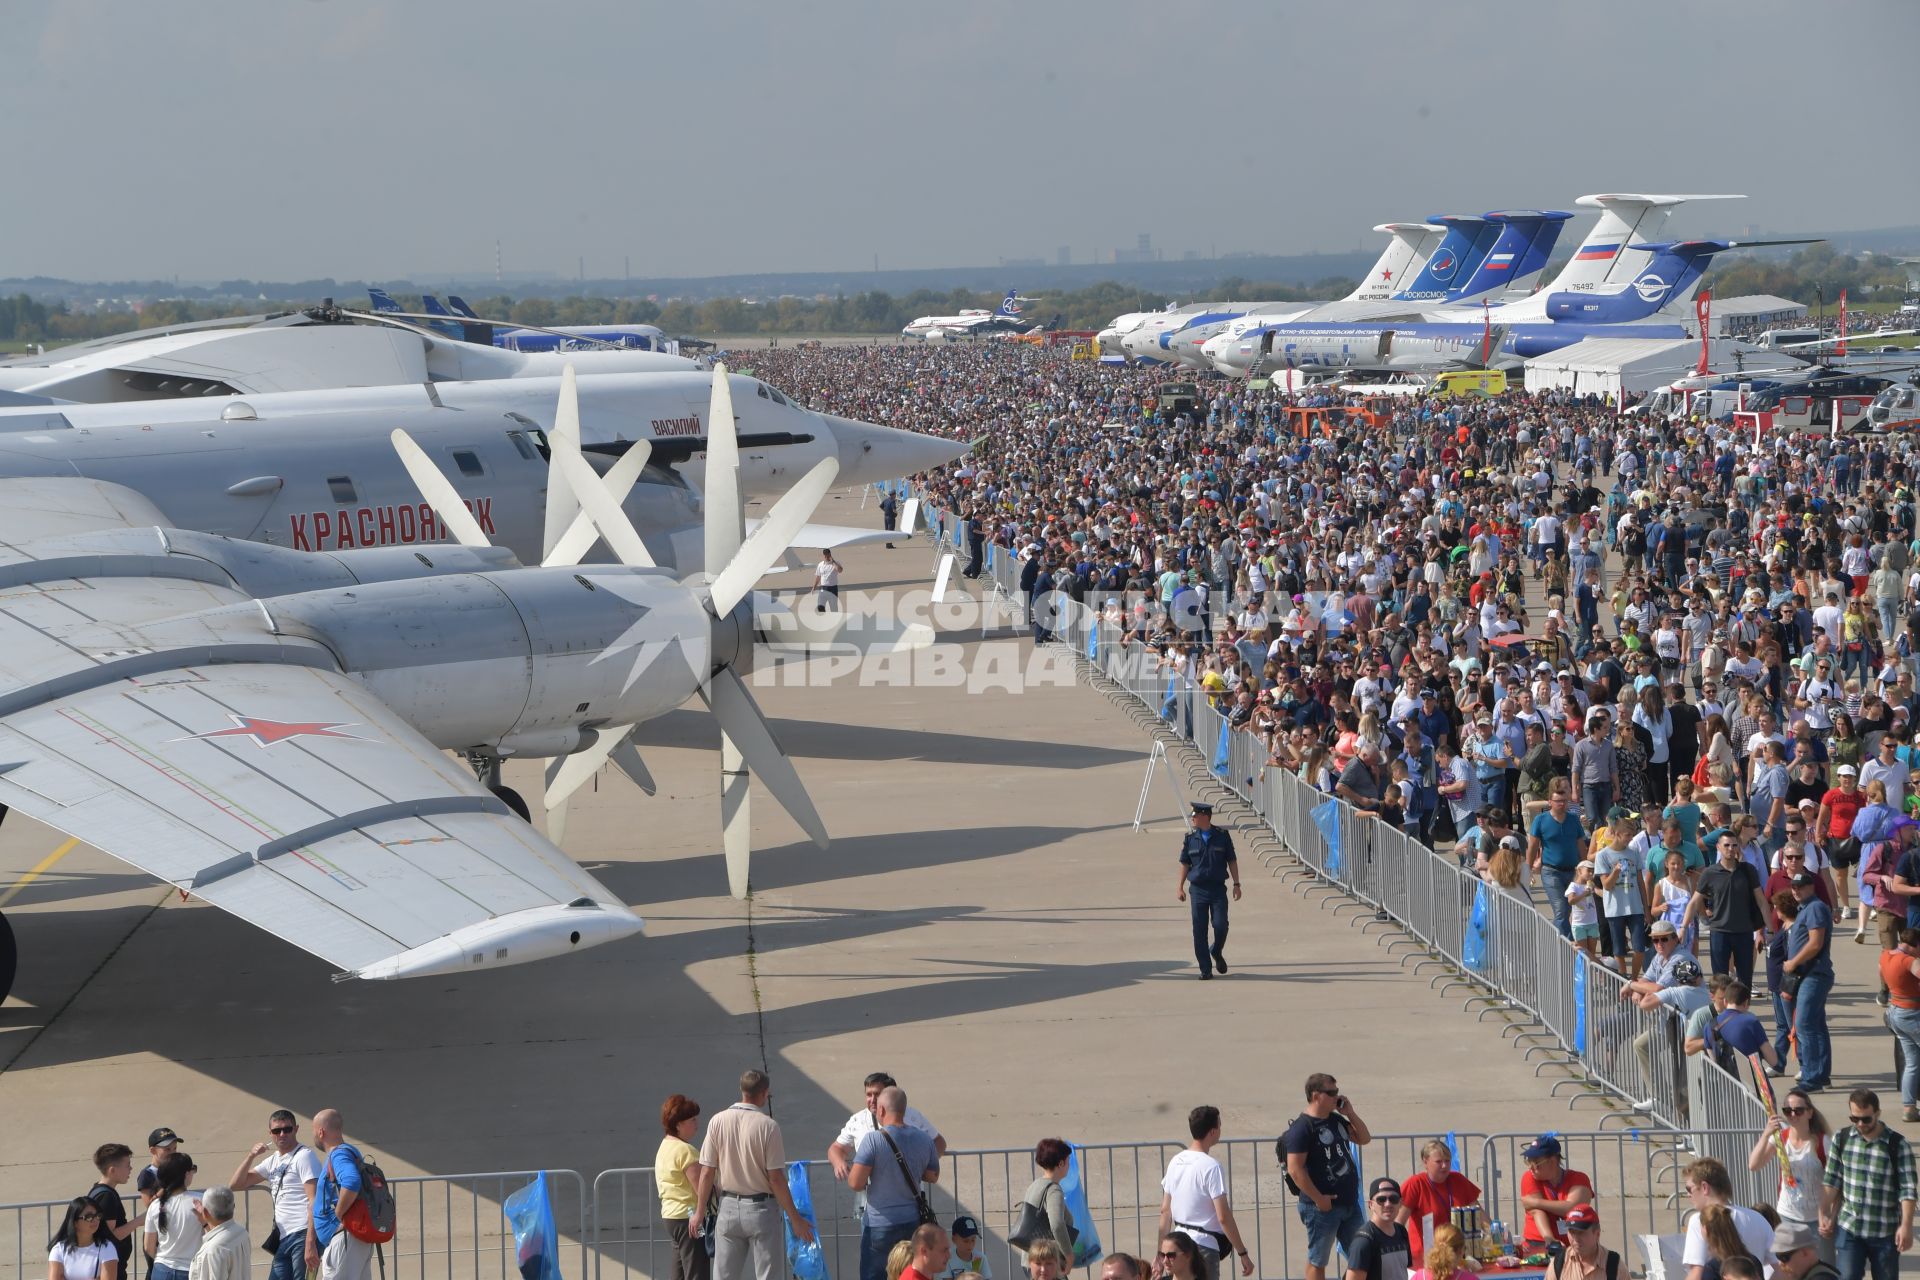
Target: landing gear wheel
9	958
514	802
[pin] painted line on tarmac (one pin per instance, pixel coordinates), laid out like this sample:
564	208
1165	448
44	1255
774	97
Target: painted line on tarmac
41	868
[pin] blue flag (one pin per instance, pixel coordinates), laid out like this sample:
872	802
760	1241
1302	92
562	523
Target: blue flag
529	1212
1326	817
1473	944
1093	639
1220	750
1086	1245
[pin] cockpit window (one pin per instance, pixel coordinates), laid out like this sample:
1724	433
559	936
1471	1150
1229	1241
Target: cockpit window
761	389
341	489
777	397
522	445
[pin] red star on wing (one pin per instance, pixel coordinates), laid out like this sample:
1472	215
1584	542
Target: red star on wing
267	732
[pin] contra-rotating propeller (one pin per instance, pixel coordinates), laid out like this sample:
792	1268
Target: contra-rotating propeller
581	507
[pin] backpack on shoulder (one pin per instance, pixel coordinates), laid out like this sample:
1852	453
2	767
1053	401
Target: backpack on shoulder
372	1216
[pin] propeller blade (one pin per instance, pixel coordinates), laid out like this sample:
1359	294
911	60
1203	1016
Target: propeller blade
556	813
600	508
736	816
562	505
626	758
745	730
619	481
438	491
725	521
771	540
575	770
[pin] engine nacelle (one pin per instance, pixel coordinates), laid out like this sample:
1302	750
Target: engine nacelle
523	659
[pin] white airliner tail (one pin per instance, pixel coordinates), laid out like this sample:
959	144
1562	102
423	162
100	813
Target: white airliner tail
1412	244
1609	253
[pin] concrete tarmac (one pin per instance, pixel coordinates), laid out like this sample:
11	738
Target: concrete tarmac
987	926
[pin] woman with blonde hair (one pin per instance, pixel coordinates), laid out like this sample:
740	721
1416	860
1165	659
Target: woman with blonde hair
1446	1257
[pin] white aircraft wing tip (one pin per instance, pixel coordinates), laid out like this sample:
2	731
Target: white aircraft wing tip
515	938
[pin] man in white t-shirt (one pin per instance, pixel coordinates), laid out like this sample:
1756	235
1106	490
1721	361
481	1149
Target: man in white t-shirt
290	1173
1194	1197
1707	1183
862	1122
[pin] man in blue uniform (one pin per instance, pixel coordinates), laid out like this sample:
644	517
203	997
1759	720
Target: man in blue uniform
1207	861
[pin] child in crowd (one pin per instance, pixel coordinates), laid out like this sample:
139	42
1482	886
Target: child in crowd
1586	909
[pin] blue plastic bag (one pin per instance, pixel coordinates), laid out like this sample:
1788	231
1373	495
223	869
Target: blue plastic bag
1473	946
529	1212
1086	1246
804	1258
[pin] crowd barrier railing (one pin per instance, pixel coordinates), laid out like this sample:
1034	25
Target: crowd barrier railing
452	1228
1562	1004
449	1227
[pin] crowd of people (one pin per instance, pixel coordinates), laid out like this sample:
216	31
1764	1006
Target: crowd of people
1656	676
1844	1205
184	1232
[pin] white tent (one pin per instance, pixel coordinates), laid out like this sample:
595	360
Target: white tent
1621	366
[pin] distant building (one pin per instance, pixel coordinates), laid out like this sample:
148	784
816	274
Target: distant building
1141	252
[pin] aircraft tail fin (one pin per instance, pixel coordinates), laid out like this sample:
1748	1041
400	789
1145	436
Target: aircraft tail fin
1614	252
1453	262
1404	255
1523	240
432	306
380	300
460	307
1009	308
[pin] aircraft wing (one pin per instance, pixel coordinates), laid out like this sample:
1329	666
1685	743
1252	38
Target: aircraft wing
242	766
835	536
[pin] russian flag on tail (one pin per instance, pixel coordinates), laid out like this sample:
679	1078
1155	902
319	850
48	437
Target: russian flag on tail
1596	252
1498	262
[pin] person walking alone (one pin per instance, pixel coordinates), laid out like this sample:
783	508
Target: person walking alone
1207	861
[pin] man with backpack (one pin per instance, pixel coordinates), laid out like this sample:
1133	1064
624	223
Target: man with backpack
353	1211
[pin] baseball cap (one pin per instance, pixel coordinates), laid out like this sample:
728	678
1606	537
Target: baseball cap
1685	970
1620	813
964	1226
162	1136
1509	842
1848	769
1380	1184
1544	1145
1800	879
1662	929
1581	1215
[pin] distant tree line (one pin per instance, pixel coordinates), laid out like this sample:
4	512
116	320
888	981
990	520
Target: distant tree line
1812	275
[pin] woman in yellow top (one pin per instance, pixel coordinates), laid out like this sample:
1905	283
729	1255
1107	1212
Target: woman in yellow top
672	1174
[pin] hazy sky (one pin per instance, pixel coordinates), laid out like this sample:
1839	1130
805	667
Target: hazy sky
286	139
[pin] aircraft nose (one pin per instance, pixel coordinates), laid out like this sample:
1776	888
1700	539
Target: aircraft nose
869	452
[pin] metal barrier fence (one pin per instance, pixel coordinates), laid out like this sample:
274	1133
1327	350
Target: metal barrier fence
449	1228
1636	1177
